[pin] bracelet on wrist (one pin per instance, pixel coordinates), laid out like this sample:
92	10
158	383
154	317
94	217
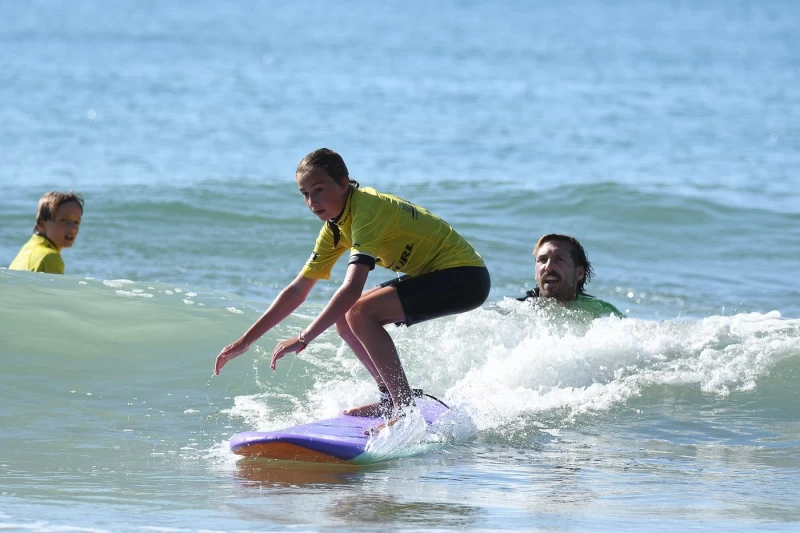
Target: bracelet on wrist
302	338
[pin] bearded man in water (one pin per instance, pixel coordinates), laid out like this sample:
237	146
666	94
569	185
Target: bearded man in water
561	270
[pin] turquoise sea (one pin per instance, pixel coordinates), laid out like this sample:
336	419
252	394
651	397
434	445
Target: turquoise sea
664	134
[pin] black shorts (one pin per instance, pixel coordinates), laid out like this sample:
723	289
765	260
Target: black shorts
441	293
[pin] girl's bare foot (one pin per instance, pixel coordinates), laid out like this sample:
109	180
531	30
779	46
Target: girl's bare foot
382	408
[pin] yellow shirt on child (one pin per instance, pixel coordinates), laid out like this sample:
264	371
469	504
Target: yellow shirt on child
39	255
399	235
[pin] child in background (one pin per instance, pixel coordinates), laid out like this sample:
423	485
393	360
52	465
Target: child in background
58	219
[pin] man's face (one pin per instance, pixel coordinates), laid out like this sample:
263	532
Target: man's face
556	273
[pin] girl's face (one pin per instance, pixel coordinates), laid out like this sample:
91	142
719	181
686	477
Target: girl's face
63	229
324	196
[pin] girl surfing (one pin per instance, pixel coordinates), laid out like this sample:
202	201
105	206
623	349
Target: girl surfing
444	275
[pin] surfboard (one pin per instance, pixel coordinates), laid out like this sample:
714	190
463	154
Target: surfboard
340	439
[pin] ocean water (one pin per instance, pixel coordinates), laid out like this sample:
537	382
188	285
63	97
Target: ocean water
664	134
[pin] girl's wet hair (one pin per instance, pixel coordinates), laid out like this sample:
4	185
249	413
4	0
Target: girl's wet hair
576	251
51	201
327	160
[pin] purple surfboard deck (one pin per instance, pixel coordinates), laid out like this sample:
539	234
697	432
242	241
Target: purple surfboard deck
339	439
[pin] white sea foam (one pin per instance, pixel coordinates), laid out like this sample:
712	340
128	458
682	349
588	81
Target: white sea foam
117	283
258	415
135	294
400	439
605	363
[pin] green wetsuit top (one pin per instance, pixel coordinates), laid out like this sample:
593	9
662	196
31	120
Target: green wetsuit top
585	302
39	255
384	230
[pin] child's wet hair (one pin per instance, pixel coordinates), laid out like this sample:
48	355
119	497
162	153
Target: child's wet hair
327	160
51	201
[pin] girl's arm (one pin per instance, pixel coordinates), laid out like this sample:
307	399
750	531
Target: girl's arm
341	302
287	301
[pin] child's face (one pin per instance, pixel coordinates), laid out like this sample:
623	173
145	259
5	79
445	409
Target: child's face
63	229
324	196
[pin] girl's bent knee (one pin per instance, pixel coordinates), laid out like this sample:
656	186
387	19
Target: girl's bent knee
359	319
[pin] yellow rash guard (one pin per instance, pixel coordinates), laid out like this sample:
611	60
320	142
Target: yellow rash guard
393	232
39	255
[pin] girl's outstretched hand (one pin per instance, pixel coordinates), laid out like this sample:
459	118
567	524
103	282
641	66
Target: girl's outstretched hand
229	352
284	347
